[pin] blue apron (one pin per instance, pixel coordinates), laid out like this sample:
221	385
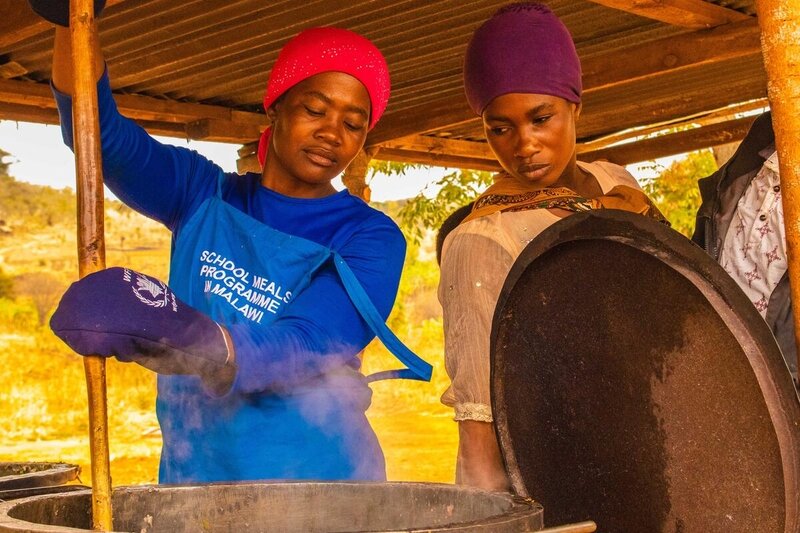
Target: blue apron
239	270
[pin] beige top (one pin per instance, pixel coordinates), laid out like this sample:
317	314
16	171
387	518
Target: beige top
476	258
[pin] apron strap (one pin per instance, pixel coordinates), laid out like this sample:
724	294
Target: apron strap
417	368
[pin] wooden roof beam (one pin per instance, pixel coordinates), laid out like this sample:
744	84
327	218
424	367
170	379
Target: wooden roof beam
675	143
435	151
439	152
437	114
696	14
610	117
226	131
28	113
436	160
20	22
650	60
194	121
672	54
49	116
700	120
420	149
441	145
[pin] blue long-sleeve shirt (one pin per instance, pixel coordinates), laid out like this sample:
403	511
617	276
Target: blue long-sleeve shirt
321	329
296	409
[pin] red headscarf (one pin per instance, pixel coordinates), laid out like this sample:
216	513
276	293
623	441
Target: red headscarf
328	50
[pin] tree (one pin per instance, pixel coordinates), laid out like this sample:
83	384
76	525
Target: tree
675	190
24	205
423	213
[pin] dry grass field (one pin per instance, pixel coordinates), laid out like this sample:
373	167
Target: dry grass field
42	387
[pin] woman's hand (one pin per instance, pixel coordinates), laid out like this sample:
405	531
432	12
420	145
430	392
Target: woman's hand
121	313
479	461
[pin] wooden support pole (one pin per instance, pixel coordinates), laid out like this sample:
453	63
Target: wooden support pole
355	175
91	239
248	160
780	44
780	36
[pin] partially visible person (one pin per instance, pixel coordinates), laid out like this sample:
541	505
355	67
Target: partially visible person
523	77
740	224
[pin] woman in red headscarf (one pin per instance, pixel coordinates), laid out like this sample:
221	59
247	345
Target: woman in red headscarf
277	280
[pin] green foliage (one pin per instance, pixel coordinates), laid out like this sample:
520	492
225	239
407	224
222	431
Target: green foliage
390	168
422	213
675	190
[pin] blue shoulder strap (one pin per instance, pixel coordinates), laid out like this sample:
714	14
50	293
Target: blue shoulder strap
220	181
417	368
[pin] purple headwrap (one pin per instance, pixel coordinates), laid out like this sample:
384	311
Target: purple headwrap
523	48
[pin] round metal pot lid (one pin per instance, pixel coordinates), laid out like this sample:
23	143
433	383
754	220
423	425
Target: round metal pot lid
635	385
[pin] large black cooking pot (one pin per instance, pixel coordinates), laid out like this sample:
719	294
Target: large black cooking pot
284	508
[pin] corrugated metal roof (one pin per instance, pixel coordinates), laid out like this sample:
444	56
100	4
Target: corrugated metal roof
218	52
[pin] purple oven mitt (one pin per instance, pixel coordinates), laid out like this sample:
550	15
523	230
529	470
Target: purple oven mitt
57	11
133	317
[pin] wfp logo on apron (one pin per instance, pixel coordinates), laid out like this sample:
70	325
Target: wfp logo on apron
248	293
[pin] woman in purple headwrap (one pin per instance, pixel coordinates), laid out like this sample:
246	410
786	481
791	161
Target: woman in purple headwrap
522	75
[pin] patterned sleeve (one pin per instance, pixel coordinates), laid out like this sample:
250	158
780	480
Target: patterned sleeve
474	264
